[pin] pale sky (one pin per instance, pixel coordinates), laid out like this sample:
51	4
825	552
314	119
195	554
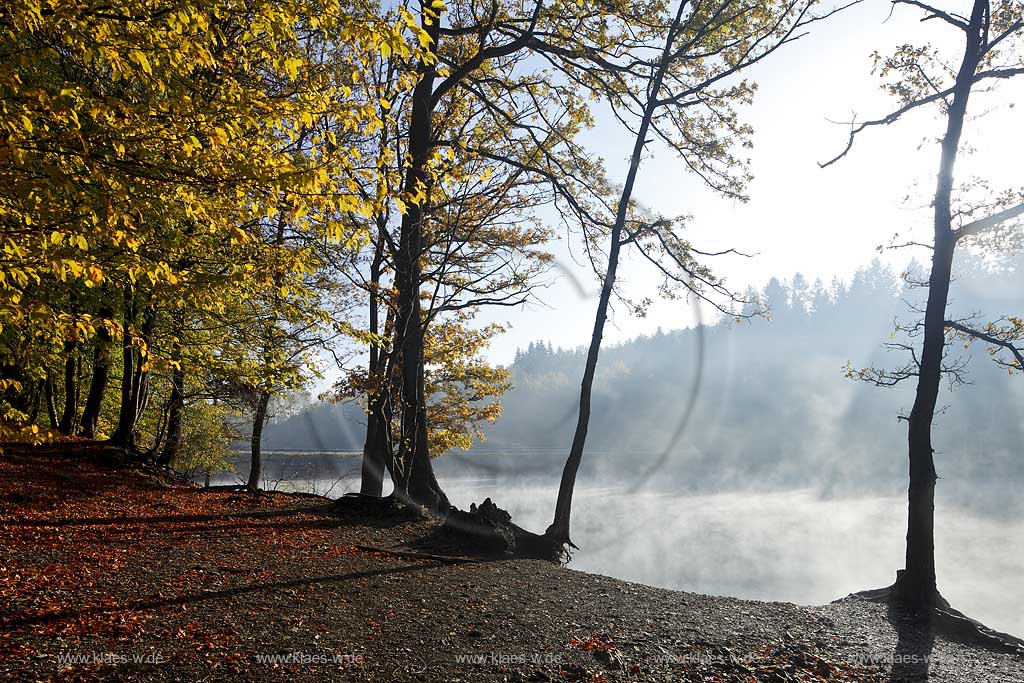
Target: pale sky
800	217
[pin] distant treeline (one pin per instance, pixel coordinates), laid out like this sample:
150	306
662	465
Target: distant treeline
771	405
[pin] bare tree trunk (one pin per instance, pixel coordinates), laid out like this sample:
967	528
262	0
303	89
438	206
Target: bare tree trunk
100	379
916	584
256	442
372	476
141	384
558	532
417	480
174	408
51	406
124	433
70	414
376	449
135	380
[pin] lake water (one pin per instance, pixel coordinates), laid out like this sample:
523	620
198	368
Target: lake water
793	546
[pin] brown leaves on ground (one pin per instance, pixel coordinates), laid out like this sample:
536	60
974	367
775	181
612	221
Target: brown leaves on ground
163	583
82	549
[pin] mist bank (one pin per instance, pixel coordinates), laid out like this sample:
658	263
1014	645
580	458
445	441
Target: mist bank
753	405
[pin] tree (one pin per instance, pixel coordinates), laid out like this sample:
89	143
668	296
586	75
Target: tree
134	135
800	297
671	85
482	133
918	78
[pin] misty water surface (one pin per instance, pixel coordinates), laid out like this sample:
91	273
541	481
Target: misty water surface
793	545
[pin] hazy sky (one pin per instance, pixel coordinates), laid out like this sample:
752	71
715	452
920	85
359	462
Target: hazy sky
800	217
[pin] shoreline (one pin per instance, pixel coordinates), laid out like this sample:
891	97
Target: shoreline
221	585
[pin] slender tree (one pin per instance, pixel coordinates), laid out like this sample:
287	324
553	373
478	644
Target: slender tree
991	36
671	85
465	132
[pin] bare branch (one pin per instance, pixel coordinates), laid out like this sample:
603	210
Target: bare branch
983	224
934	13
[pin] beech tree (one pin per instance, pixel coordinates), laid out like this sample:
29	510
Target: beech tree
919	77
479	131
136	133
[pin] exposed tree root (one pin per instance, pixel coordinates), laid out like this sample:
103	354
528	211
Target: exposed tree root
491	529
485	528
389	507
944	620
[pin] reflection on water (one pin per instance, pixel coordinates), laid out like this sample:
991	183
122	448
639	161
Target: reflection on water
791	546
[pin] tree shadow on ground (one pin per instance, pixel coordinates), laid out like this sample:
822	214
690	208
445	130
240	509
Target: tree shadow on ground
166	519
915	639
153	603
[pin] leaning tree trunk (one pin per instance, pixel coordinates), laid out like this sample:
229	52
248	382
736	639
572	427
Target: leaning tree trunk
256	442
916	584
558	532
100	379
70	414
417	480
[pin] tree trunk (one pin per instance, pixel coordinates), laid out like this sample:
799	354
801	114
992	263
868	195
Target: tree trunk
135	380
256	443
916	584
51	406
175	405
70	414
376	448
372	476
100	379
124	433
417	480
558	532
141	383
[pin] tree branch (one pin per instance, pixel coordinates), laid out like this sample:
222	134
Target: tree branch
983	224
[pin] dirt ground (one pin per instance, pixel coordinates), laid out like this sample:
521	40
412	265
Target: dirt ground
112	574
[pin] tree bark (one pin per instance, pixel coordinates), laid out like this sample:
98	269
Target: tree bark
558	531
100	379
256	442
416	481
51	406
135	380
372	476
70	414
124	433
175	405
916	584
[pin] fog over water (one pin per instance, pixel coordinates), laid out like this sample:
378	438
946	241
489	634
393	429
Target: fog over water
792	546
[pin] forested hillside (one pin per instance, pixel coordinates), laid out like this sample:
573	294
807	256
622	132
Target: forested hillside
775	405
772	403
